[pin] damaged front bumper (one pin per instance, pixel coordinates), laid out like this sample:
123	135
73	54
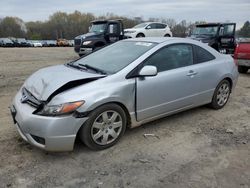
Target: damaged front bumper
48	133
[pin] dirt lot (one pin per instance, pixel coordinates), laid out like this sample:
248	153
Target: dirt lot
197	148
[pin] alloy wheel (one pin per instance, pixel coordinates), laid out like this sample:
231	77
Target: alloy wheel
223	94
106	127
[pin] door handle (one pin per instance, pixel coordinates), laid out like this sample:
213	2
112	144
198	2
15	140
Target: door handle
191	73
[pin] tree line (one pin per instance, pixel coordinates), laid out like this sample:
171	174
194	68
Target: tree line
64	25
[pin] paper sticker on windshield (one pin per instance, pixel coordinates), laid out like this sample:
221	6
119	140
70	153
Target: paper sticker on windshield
143	44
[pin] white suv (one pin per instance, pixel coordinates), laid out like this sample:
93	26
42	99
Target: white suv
149	29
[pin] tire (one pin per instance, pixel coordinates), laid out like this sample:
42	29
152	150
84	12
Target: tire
140	35
98	132
242	69
221	95
167	35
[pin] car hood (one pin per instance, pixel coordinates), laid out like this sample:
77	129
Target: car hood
132	29
88	35
48	82
202	38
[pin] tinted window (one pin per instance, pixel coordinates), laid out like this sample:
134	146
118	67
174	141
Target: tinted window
172	57
227	30
160	26
202	55
153	26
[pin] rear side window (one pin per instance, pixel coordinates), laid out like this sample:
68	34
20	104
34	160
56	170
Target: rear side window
202	55
160	26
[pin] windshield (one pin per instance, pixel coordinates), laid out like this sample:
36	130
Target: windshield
7	40
208	30
140	25
115	57
98	28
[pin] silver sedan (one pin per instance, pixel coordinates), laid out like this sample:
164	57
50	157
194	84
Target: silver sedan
123	85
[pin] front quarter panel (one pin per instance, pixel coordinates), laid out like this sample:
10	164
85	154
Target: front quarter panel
100	92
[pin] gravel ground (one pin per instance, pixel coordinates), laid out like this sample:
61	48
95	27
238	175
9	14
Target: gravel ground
197	148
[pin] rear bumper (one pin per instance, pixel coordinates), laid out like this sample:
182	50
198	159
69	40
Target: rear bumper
48	133
243	62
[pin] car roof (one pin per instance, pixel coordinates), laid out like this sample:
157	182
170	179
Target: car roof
161	39
152	23
211	24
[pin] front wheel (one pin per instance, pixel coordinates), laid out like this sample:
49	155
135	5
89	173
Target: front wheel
221	95
242	69
140	35
104	128
167	35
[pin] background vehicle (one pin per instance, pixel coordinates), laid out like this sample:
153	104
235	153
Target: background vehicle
71	43
122	85
149	29
242	55
101	33
49	43
22	42
220	36
62	42
37	44
6	42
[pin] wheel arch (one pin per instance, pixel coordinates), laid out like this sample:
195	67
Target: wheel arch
119	103
99	44
140	33
228	78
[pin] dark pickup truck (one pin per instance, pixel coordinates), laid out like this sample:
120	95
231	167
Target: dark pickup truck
101	33
220	36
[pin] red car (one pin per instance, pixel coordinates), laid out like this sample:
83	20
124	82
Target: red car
242	56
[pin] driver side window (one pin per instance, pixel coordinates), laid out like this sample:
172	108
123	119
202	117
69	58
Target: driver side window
113	28
171	57
152	26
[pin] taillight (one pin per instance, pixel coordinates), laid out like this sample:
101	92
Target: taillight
236	51
236	55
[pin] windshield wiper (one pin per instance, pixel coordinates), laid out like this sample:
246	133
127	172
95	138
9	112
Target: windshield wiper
71	64
93	68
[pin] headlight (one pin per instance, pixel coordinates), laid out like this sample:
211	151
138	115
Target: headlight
86	42
61	109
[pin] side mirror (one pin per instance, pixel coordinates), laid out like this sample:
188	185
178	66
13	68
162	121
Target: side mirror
148	27
148	70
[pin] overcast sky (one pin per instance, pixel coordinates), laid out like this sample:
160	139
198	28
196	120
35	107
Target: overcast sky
191	10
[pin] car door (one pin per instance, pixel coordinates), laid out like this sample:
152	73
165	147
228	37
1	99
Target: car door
113	32
151	30
227	36
172	89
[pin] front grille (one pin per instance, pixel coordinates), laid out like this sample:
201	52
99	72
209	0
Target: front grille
78	41
28	98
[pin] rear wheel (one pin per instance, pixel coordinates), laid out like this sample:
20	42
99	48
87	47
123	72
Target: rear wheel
242	69
104	128
140	35
167	35
221	95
